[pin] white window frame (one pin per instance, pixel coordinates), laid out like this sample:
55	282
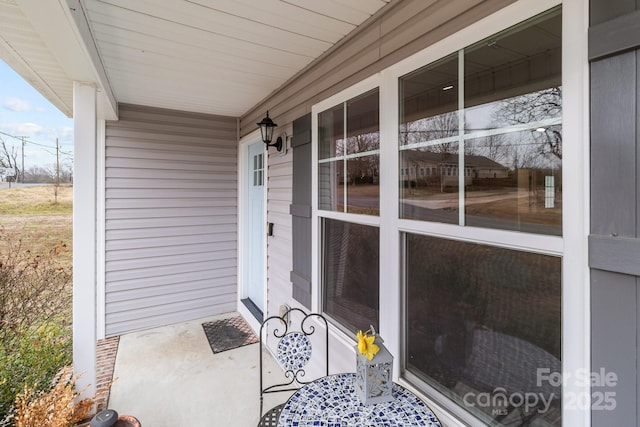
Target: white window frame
571	246
370	220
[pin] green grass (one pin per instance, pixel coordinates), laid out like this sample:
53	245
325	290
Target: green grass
38	209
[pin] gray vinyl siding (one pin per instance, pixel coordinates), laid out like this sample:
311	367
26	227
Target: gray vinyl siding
614	241
279	255
171	218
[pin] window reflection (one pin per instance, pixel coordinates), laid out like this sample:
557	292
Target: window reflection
363	189
542	107
350	273
331	186
348	169
429	183
501	146
481	319
514	184
359	182
363	123
429	104
331	132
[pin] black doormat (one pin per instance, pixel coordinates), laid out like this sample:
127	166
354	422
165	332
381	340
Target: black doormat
227	334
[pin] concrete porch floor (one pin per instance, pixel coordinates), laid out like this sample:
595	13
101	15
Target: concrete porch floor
169	377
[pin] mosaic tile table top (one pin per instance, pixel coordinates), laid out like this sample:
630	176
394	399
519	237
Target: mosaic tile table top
332	402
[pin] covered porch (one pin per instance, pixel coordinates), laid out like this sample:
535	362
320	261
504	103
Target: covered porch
182	214
169	376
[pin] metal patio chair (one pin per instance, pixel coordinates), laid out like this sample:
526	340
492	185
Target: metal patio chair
292	332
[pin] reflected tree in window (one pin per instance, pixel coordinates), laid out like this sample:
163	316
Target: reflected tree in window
531	108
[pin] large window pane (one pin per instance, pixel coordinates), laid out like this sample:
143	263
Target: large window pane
429	128
348	156
508	159
483	322
350	258
513	104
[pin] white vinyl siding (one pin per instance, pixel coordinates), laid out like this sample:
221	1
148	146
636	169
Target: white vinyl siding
171	218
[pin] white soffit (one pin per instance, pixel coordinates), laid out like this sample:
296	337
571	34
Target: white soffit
211	56
22	47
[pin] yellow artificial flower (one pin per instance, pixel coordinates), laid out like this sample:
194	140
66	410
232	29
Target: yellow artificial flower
366	347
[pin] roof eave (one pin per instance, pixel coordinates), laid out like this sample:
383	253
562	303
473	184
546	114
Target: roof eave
63	27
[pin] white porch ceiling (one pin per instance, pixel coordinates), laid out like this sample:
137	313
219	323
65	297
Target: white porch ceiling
211	56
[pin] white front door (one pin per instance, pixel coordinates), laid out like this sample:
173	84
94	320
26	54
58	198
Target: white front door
255	229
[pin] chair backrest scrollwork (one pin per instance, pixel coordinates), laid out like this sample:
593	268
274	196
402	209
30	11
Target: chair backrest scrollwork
293	333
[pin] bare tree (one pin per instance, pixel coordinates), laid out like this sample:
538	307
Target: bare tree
495	147
363	169
432	129
444	126
9	157
551	141
533	107
363	142
37	174
525	156
66	173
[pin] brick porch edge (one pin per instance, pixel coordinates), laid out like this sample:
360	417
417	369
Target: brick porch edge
106	351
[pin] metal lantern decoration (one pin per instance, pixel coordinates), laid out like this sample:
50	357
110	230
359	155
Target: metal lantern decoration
374	378
267	127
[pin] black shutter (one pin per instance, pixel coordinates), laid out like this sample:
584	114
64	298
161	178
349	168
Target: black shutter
301	210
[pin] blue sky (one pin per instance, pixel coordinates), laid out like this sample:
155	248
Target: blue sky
24	112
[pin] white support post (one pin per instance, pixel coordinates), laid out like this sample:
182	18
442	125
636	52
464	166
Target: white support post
391	326
576	297
84	236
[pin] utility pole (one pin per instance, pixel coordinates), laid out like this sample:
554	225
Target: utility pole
57	163
57	185
22	166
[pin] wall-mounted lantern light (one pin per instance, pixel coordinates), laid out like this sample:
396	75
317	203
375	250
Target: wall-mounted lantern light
266	130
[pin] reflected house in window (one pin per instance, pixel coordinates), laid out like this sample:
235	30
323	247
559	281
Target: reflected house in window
484	167
429	168
364	172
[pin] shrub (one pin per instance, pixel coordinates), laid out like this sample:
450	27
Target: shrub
35	318
32	358
56	407
34	289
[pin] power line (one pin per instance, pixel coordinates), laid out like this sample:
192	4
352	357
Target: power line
20	138
40	145
43	147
